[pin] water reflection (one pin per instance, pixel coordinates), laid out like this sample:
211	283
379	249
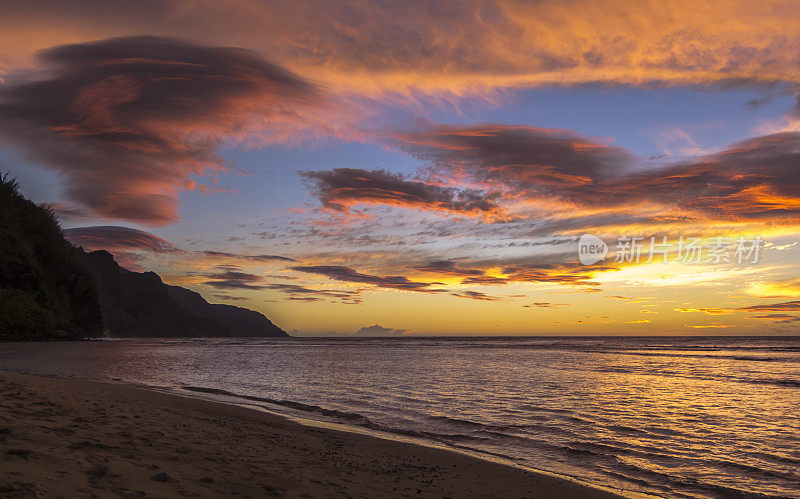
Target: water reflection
669	416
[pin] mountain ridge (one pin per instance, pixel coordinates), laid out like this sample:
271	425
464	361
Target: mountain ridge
140	304
242	322
52	290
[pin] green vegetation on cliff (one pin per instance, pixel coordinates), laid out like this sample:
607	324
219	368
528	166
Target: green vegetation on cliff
44	293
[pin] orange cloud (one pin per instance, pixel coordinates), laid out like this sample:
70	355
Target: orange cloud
561	171
128	120
488	274
454	48
341	188
347	274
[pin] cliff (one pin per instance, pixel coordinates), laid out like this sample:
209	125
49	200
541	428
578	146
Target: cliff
44	293
239	321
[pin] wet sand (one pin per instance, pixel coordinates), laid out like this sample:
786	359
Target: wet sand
73	438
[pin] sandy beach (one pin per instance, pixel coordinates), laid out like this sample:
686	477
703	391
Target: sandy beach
68	438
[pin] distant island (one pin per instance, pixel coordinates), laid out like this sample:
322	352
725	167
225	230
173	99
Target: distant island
50	290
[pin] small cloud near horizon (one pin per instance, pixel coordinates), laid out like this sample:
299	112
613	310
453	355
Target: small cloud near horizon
377	330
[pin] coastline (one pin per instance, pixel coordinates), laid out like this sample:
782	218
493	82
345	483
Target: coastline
62	436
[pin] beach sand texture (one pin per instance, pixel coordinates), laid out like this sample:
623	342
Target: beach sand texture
73	438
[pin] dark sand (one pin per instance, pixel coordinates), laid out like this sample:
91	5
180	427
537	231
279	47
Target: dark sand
71	438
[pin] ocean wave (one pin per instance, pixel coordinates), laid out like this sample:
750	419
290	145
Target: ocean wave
691	355
628	430
531	407
333	413
675	483
791	383
783	382
755	470
777	459
623	449
645	483
457	421
663	431
357	419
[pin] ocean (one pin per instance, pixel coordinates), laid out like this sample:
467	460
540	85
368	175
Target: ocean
668	416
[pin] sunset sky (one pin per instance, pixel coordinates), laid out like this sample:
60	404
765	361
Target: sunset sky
424	166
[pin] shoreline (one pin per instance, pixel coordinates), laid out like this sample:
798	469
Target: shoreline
386	435
66	436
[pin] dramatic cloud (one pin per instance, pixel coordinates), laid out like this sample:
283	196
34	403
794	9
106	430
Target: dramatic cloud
753	180
128	123
493	172
497	272
566	273
255	258
469	46
112	237
128	120
129	246
556	170
342	188
536	160
349	275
